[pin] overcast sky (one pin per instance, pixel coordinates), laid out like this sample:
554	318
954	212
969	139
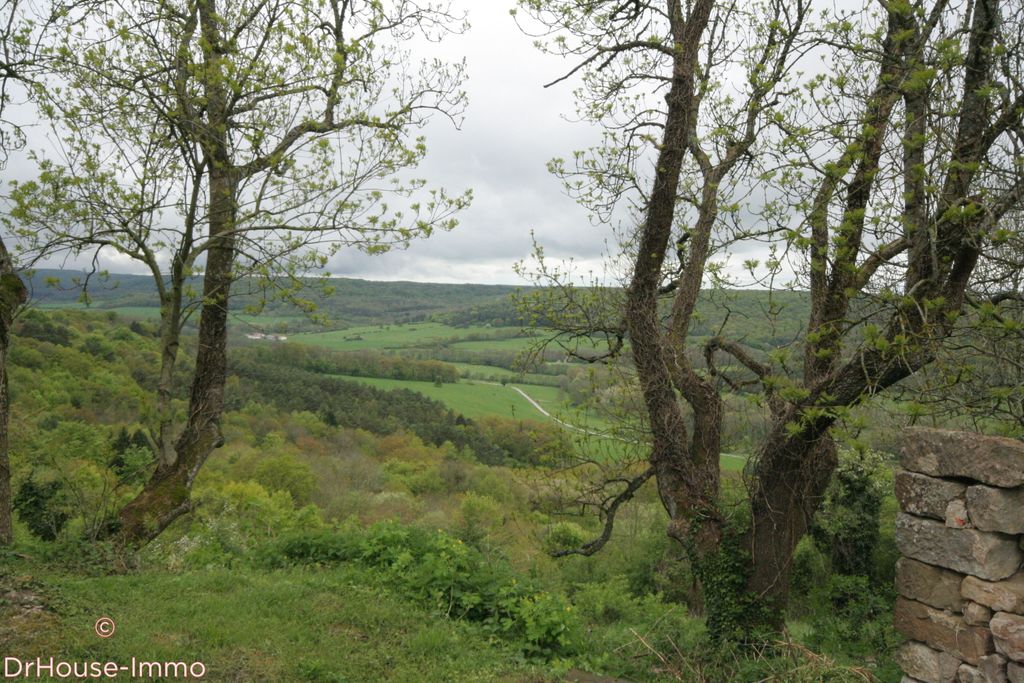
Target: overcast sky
512	127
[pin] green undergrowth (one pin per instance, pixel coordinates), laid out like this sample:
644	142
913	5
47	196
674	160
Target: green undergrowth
292	624
445	574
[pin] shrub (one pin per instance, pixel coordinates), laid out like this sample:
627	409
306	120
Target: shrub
481	516
447	575
564	536
846	528
286	473
232	519
851	617
38	506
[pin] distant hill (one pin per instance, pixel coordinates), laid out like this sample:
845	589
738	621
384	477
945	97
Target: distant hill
751	316
352	301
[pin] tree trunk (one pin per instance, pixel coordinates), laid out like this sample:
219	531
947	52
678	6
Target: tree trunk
170	334
167	495
12	295
792	475
687	474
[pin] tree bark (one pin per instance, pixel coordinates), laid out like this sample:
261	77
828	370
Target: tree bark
167	495
12	295
687	484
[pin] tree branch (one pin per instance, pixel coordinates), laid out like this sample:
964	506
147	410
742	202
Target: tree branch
609	513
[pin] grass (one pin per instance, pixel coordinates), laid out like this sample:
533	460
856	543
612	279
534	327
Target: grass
404	336
292	625
733	462
478	399
493	372
509	344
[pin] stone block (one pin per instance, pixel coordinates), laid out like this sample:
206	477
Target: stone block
1015	672
931	585
926	496
922	663
968	674
942	631
1001	596
991	460
976	614
993	668
1008	634
957	516
969	551
994	509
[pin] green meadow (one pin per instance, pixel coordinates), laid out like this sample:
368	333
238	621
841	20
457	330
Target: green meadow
479	399
389	337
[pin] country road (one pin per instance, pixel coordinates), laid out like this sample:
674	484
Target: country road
548	415
573	427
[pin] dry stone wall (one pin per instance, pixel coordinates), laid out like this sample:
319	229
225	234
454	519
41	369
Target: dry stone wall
960	577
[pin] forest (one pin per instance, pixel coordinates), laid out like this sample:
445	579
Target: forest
675	458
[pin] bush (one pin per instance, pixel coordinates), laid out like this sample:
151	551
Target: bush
445	574
481	516
286	473
851	617
231	520
38	506
810	571
564	536
846	528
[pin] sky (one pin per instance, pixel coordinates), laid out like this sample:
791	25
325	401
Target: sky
513	126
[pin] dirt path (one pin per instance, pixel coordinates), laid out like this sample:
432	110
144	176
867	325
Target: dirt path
548	415
575	428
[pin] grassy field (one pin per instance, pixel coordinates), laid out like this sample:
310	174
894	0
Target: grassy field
384	337
478	399
492	373
508	344
245	625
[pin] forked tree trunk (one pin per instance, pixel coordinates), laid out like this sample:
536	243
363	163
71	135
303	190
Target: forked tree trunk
790	485
167	495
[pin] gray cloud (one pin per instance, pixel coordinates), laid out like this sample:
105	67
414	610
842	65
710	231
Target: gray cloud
513	126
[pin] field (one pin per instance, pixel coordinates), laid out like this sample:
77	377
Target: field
479	393
479	399
391	337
